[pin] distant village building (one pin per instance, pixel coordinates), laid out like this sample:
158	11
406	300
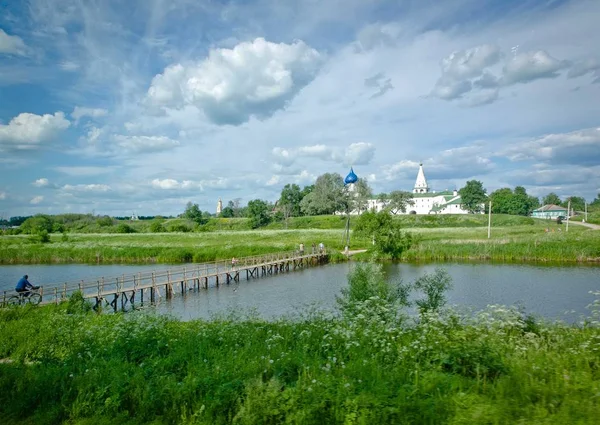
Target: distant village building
427	201
134	217
549	211
219	207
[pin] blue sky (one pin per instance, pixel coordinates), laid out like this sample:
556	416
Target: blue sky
115	107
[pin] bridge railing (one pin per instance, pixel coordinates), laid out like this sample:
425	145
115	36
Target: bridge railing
102	285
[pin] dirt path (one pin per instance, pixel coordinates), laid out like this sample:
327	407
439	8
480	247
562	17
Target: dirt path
355	251
588	225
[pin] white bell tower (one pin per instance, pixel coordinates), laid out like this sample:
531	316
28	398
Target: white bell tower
421	183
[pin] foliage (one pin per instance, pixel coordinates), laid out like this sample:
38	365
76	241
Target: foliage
473	196
40	236
37	224
124	228
357	200
258	213
326	197
192	212
505	201
434	287
369	365
105	221
227	212
388	239
551	199
367	281
398	201
157	226
577	203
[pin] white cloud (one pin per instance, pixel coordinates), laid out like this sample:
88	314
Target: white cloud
460	67
27	131
578	147
584	67
36	200
11	44
231	85
530	66
274	180
360	153
91	188
466	73
2	196
80	112
69	66
470	63
140	144
171	184
43	182
84	170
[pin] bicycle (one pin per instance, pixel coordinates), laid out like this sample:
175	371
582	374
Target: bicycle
29	297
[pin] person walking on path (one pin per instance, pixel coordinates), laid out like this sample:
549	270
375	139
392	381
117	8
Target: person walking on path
314	248
301	249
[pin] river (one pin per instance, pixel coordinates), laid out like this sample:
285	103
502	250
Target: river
555	292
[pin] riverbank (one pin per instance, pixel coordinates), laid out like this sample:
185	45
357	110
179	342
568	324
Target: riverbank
520	243
59	364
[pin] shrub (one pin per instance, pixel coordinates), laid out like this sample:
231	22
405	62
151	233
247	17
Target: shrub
434	287
125	228
157	227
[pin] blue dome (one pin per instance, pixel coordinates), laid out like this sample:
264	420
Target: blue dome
351	177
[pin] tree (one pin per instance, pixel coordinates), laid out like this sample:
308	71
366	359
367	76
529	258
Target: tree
473	196
501	200
37	224
192	212
577	203
358	199
326	197
399	200
227	212
289	201
389	240
551	199
258	212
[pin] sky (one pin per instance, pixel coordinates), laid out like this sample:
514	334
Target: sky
113	107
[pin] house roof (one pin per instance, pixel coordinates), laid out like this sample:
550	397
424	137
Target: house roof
550	207
432	194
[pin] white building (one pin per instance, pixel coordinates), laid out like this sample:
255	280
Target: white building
427	201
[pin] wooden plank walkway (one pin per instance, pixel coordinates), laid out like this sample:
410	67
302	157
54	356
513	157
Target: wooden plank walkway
126	291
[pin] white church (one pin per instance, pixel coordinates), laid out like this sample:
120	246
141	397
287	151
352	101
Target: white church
426	201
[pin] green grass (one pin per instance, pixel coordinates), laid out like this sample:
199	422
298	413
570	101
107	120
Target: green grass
513	239
593	217
499	367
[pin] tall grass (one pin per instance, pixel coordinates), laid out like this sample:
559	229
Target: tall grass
368	365
526	243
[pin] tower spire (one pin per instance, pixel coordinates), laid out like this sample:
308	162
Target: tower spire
421	183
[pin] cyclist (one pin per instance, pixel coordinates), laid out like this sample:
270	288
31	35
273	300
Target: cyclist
24	286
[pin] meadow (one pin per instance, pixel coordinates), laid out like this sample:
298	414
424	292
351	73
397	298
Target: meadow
435	238
368	363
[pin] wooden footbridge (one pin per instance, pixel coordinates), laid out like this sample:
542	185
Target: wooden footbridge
127	291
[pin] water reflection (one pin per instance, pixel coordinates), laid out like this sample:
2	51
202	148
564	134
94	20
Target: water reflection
542	290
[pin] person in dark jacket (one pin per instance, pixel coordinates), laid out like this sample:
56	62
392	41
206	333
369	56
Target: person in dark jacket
23	285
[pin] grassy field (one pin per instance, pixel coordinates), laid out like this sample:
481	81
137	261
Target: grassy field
513	239
369	365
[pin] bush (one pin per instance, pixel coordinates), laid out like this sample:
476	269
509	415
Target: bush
434	286
125	228
157	227
40	236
